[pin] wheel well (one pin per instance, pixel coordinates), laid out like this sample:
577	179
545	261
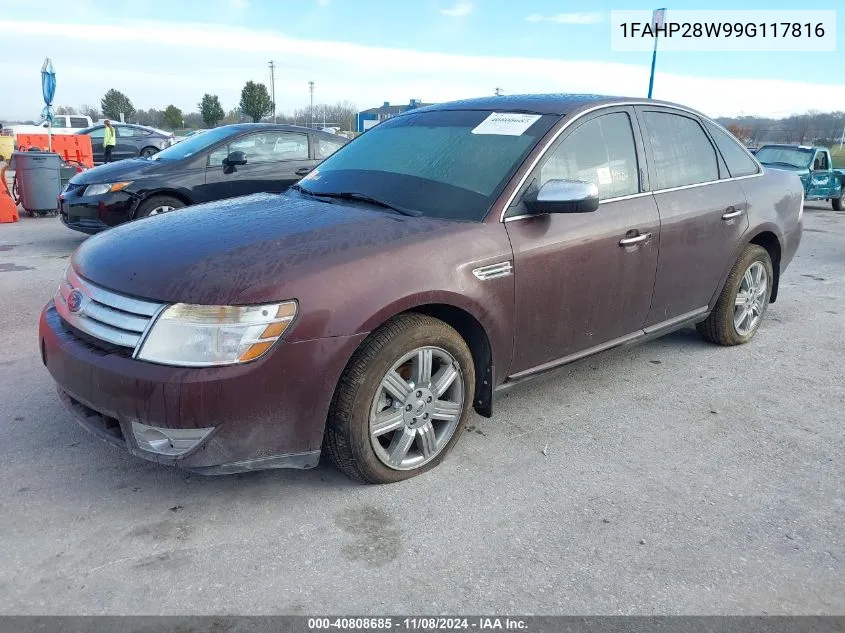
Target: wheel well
163	192
479	345
769	241
146	147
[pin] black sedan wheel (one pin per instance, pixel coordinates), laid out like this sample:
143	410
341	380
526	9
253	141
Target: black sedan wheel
148	151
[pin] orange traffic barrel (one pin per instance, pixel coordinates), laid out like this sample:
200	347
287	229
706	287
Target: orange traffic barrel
8	208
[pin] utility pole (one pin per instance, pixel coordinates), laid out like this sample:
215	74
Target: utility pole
311	90
273	87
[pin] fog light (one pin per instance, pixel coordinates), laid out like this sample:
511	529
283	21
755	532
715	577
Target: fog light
171	442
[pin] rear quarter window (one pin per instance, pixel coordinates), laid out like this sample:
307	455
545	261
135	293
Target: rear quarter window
738	161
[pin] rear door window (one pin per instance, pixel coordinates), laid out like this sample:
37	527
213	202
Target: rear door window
78	122
683	155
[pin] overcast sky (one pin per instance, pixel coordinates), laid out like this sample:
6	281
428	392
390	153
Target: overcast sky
371	51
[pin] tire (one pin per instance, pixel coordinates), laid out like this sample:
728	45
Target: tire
361	394
158	204
721	326
837	202
148	151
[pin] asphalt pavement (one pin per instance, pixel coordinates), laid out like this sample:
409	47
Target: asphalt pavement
672	478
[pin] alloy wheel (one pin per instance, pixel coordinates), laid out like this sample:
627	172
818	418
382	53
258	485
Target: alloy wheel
751	299
417	408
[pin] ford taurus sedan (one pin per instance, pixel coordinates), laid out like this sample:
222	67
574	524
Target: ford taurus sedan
436	259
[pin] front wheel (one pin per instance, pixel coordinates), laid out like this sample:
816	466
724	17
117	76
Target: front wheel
837	202
402	401
744	299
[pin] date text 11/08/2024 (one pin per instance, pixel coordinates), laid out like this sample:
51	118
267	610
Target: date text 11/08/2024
419	624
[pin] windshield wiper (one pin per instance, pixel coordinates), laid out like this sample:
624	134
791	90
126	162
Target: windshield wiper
780	162
359	197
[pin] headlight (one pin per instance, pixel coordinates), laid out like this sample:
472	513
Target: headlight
108	187
199	336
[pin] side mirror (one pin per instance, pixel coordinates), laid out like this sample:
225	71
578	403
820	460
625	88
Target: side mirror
235	158
563	196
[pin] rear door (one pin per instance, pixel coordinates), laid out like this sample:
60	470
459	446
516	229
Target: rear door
585	279
96	135
703	212
275	160
127	143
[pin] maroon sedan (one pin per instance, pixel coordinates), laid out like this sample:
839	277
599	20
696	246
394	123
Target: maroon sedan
439	257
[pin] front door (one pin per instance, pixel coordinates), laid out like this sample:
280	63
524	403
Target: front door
275	161
822	179
703	213
585	279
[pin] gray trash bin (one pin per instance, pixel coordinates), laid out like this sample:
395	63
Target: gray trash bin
39	180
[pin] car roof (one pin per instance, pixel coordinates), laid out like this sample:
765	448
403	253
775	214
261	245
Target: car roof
277	127
556	104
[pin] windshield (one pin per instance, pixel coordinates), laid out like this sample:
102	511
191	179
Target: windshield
193	145
442	164
794	156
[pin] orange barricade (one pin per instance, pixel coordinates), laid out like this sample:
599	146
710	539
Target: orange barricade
71	147
8	208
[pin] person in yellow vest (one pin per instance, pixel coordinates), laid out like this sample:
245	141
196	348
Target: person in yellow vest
109	141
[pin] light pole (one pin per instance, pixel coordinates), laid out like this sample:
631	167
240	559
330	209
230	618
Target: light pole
311	90
273	87
657	19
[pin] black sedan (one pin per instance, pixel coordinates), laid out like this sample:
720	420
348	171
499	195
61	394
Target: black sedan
132	141
229	161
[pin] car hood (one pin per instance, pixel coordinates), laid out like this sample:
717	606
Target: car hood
255	249
129	169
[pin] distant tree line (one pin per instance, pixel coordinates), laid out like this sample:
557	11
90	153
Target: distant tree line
255	105
814	127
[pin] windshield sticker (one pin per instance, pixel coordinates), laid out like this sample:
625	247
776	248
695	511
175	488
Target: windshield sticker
506	124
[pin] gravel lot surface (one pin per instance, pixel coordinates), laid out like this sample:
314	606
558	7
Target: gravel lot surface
678	478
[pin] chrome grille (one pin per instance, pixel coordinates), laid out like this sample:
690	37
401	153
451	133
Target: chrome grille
103	314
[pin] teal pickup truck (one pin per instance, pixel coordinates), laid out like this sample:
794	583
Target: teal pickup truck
813	165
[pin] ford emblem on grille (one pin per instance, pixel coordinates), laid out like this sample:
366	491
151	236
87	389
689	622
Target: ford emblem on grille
75	301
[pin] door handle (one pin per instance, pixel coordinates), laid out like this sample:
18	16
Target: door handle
731	213
633	241
302	171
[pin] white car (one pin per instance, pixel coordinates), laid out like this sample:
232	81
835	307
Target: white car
62	124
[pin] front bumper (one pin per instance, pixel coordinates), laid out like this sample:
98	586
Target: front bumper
269	413
92	214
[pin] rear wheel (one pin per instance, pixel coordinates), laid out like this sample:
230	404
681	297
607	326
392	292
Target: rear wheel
157	205
148	151
402	401
744	299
